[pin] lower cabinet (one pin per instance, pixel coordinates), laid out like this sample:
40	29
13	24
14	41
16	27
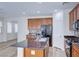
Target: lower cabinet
28	52
75	50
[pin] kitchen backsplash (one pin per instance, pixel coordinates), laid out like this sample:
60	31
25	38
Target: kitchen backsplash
35	31
78	34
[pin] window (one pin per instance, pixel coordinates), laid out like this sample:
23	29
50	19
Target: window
9	27
16	28
0	26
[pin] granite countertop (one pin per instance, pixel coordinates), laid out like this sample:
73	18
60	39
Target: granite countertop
70	36
37	45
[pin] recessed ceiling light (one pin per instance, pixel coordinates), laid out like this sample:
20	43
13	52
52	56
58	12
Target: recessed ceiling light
38	11
55	10
23	13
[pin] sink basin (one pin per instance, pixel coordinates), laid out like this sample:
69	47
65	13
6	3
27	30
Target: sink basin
43	39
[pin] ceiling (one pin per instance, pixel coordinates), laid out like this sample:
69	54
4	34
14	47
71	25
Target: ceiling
15	9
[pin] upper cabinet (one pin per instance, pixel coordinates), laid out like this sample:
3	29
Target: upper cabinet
71	19
30	22
73	16
47	21
78	11
36	23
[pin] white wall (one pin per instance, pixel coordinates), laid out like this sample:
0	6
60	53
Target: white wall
22	32
58	36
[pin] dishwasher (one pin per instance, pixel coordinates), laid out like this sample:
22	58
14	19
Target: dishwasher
69	48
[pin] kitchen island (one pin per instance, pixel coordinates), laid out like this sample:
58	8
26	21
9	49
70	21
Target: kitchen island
38	48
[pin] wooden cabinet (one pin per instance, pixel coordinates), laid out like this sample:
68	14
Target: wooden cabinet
30	23
71	19
33	52
75	50
38	23
47	21
73	16
34	23
30	52
78	11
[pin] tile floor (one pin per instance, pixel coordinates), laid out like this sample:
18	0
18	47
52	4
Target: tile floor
6	50
57	52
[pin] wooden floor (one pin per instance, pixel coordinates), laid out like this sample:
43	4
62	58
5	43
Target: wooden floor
6	50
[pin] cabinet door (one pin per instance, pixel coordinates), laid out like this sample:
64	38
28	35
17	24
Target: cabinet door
71	19
37	23
78	11
72	16
75	14
33	52
30	23
27	52
75	50
34	23
47	21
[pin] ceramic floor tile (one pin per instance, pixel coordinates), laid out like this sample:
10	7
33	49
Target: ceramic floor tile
6	50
